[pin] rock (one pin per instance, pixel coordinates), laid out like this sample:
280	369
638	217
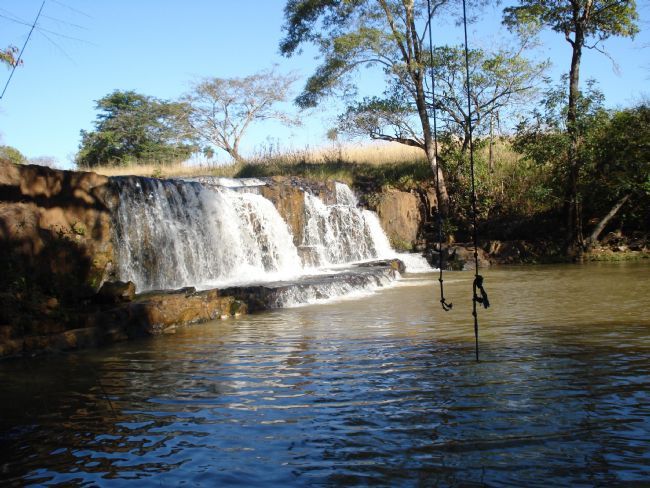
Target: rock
400	217
460	257
55	228
506	252
396	264
157	312
116	292
279	294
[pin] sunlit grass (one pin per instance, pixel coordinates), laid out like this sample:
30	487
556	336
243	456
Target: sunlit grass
176	170
389	162
370	165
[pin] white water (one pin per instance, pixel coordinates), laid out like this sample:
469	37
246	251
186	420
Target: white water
171	234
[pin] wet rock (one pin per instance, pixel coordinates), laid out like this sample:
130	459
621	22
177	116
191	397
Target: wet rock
317	287
396	264
116	292
289	200
156	312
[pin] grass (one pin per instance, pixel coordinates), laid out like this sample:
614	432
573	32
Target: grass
369	167
382	163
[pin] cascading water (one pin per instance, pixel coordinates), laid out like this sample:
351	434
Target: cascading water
171	234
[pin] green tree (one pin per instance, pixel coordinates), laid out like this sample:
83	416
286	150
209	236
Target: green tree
222	109
132	128
617	169
614	154
584	24
12	154
501	82
353	33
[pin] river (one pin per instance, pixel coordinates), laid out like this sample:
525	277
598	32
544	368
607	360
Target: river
381	390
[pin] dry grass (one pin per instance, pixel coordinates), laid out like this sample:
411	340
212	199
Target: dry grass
168	171
368	153
364	154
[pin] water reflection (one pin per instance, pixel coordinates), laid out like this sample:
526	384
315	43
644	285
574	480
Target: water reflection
380	390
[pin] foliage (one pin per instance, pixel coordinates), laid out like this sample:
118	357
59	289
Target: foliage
222	109
389	34
598	19
613	153
12	154
8	56
135	128
388	119
581	22
618	164
501	82
542	136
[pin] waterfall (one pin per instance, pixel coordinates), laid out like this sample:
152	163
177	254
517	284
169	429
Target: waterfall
171	234
213	233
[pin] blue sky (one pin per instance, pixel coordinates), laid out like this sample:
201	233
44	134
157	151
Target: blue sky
84	49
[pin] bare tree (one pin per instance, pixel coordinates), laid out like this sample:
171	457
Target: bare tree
222	109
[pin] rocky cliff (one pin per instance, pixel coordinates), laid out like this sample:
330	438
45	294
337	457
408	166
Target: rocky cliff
55	229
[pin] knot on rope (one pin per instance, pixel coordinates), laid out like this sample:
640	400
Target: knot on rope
483	299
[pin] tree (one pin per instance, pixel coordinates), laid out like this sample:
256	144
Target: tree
500	82
135	128
614	154
584	23
222	109
12	154
617	169
355	33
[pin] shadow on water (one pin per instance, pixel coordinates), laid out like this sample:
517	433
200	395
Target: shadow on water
377	390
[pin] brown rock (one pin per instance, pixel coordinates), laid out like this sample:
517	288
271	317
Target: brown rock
116	292
460	257
156	312
400	217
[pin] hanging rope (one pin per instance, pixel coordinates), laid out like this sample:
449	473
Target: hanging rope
478	279
446	306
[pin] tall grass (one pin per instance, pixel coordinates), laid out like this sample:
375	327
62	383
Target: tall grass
508	184
391	163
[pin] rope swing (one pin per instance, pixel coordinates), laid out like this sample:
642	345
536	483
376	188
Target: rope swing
478	279
446	306
479	295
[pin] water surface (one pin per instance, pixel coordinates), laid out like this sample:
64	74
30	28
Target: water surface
377	390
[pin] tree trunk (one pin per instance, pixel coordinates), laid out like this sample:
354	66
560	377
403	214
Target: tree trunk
595	234
574	238
429	145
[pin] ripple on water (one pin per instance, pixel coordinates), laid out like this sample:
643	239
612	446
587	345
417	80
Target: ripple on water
380	390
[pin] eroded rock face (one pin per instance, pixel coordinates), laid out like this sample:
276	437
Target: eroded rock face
287	195
400	216
55	227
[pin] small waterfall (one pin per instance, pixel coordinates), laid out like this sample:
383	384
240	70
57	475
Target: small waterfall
212	233
172	234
